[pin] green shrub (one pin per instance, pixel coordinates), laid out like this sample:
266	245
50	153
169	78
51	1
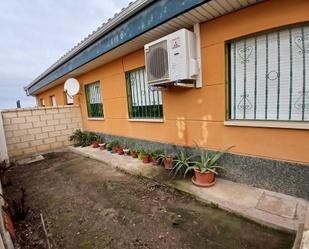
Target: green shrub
84	138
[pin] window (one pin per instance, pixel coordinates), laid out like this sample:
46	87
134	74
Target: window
269	76
143	102
42	102
53	100
94	101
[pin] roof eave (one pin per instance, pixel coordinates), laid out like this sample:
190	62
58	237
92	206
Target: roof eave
118	19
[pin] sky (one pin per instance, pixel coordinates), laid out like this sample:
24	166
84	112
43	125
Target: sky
34	34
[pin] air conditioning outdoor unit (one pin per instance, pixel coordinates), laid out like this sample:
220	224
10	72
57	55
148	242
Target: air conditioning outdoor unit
172	60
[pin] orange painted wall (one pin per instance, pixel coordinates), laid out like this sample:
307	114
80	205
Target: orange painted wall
197	115
57	91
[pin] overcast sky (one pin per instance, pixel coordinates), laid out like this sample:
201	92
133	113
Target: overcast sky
34	34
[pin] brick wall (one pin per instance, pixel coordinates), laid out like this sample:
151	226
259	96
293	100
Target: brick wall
34	130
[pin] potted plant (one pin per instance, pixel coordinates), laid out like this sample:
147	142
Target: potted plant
167	160
94	140
120	150
206	168
115	146
154	157
126	152
109	146
102	146
77	137
140	153
133	152
126	149
182	162
145	156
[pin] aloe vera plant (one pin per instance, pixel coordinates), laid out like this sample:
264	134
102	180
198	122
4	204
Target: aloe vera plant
182	163
208	162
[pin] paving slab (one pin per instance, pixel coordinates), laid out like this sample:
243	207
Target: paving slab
29	160
266	207
283	207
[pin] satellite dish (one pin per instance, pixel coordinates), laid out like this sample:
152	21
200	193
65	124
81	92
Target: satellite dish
71	86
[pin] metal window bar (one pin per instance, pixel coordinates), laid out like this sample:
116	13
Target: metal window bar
142	101
269	76
94	101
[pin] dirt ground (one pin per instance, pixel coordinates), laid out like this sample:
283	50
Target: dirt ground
87	204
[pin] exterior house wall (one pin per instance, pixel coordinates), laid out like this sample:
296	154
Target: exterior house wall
197	115
30	131
57	91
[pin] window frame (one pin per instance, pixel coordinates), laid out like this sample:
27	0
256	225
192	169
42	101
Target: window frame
42	102
53	101
290	124
155	119
87	101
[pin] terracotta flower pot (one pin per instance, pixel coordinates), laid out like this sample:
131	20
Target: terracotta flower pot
102	146
95	144
168	162
134	154
206	178
154	160
114	149
120	151
146	159
126	152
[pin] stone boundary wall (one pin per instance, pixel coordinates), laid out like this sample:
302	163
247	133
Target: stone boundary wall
30	131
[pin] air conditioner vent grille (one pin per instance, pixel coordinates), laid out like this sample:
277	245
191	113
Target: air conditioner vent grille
157	61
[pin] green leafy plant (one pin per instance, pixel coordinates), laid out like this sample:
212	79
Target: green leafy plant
109	146
141	152
208	162
132	149
156	152
93	137
164	155
81	138
114	143
181	163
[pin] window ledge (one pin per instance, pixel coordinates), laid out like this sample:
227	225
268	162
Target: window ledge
158	120
96	119
269	124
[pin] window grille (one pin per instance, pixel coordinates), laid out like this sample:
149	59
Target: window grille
142	102
94	101
269	76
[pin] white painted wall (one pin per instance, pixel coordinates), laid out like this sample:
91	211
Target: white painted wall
3	147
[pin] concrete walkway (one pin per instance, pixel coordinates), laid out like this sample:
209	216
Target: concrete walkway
263	206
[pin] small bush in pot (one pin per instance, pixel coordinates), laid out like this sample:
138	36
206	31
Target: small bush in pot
80	138
206	169
77	137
